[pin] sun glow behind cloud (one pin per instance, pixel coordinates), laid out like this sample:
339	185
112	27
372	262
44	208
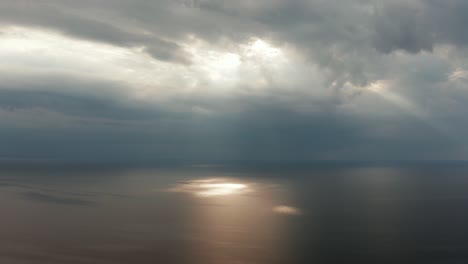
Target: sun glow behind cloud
255	67
255	64
247	64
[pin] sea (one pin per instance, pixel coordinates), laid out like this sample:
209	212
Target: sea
265	213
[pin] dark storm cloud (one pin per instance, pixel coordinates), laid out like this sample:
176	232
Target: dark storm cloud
407	25
326	30
353	44
416	26
259	132
74	105
402	27
58	16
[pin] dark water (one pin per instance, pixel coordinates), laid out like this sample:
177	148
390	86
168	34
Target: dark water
309	214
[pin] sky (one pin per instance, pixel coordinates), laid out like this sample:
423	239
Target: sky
213	80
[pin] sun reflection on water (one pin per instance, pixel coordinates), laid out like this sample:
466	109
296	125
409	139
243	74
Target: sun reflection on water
287	210
238	220
211	187
215	189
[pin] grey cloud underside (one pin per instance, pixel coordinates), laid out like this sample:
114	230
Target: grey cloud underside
86	25
349	41
262	131
73	105
326	31
159	25
418	28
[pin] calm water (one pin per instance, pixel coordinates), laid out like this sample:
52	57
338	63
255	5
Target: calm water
309	214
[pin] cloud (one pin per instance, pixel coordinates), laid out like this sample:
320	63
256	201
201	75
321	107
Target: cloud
206	79
80	23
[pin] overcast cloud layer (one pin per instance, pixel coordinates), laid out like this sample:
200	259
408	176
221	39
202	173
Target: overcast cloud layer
233	80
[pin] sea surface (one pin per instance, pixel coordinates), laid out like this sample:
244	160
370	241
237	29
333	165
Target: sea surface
207	213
